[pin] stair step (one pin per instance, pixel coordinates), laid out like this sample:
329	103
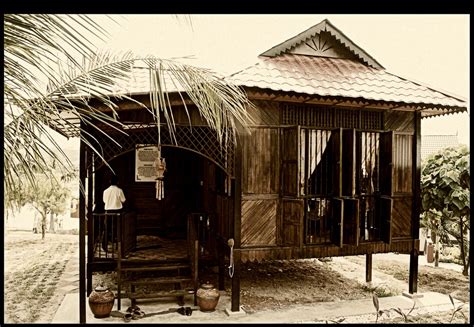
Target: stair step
158	280
152	262
173	293
155	268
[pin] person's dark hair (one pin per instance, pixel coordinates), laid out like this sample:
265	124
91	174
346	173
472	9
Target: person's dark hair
113	180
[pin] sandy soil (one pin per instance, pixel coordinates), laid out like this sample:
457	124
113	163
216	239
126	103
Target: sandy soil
33	270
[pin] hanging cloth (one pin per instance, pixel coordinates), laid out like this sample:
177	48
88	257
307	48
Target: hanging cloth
160	167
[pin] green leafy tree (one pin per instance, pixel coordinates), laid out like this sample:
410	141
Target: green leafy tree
445	191
44	81
47	196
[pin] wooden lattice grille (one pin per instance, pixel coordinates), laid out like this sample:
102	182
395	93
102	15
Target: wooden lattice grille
200	139
318	220
320	116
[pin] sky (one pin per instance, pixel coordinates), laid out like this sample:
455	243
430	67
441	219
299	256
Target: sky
433	49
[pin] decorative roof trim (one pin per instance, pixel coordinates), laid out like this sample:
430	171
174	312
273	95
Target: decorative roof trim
326	26
426	111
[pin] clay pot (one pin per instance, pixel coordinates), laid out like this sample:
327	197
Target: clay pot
101	302
207	297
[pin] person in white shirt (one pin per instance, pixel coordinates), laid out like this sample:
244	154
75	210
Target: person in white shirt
113	198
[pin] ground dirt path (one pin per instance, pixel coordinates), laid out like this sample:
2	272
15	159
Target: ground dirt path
33	272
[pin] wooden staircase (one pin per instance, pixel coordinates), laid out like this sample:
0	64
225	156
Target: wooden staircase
156	279
148	279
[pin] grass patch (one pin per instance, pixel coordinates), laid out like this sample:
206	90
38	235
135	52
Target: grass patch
380	291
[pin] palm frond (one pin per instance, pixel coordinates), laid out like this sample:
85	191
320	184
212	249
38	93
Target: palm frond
45	85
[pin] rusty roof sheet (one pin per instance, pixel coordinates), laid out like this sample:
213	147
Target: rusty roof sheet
335	77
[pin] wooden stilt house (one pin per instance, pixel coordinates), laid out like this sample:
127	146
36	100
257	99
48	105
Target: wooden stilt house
331	168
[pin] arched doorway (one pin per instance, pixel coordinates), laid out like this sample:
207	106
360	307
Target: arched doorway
191	184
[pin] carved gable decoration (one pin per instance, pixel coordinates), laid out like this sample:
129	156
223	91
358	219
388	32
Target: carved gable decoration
323	40
323	45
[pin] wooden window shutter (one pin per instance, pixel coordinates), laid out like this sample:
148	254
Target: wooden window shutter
351	221
348	162
337	221
386	163
290	161
385	208
384	202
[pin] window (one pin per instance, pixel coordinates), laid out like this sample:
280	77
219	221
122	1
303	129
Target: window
343	179
317	185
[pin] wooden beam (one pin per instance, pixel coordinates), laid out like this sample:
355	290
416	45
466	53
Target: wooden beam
82	219
368	267
90	236
413	276
221	265
237	225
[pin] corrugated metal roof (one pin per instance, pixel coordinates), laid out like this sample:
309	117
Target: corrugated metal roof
431	144
337	77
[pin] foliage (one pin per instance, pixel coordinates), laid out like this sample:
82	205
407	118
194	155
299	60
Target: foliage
457	309
46	85
445	191
47	196
379	312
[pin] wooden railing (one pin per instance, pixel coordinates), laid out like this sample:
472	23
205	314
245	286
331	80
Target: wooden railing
104	232
107	230
193	251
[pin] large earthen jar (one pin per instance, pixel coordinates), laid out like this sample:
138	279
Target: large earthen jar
101	302
207	297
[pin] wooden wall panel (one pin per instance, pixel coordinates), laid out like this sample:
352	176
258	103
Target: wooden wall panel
265	113
401	217
261	162
402	161
225	215
399	121
259	220
292	213
319	251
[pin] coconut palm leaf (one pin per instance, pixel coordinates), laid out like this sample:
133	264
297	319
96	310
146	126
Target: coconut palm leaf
45	85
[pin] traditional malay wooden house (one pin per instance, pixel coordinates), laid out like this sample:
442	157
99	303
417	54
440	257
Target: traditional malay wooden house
331	168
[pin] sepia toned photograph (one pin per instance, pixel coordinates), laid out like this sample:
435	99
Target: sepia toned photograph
236	168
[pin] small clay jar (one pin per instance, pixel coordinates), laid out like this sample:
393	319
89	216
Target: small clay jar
207	297
101	301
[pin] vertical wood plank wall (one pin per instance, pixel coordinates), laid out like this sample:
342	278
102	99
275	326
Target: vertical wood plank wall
403	125
261	178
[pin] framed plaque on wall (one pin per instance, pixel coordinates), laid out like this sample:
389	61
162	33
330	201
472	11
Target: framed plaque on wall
145	156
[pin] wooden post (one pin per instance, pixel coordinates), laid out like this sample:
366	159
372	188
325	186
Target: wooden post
237	225
82	220
413	276
221	264
368	267
90	236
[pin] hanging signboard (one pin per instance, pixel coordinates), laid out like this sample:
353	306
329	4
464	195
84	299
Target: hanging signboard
145	156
